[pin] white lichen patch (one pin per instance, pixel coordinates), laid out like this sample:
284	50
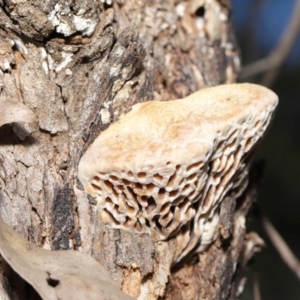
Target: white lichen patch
115	70
105	116
165	167
200	23
54	14
67	58
69	72
85	25
44	59
67	22
108	2
180	9
57	67
119	51
7	66
20	46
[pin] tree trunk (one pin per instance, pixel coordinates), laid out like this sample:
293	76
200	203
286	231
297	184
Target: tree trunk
79	65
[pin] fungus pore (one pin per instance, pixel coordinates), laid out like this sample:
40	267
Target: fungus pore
165	167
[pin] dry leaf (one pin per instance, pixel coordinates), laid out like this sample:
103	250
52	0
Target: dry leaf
12	111
57	274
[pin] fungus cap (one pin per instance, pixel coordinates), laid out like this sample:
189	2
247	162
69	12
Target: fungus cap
165	167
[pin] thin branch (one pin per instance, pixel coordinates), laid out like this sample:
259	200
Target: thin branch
256	290
272	63
283	249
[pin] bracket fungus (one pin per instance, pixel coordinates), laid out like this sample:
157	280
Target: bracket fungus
165	167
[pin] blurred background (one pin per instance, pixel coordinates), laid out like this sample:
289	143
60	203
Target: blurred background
264	27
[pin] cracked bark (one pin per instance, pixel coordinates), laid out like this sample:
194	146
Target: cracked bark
79	65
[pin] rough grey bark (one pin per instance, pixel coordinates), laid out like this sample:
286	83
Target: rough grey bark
79	65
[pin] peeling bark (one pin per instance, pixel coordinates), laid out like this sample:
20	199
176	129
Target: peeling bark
79	65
